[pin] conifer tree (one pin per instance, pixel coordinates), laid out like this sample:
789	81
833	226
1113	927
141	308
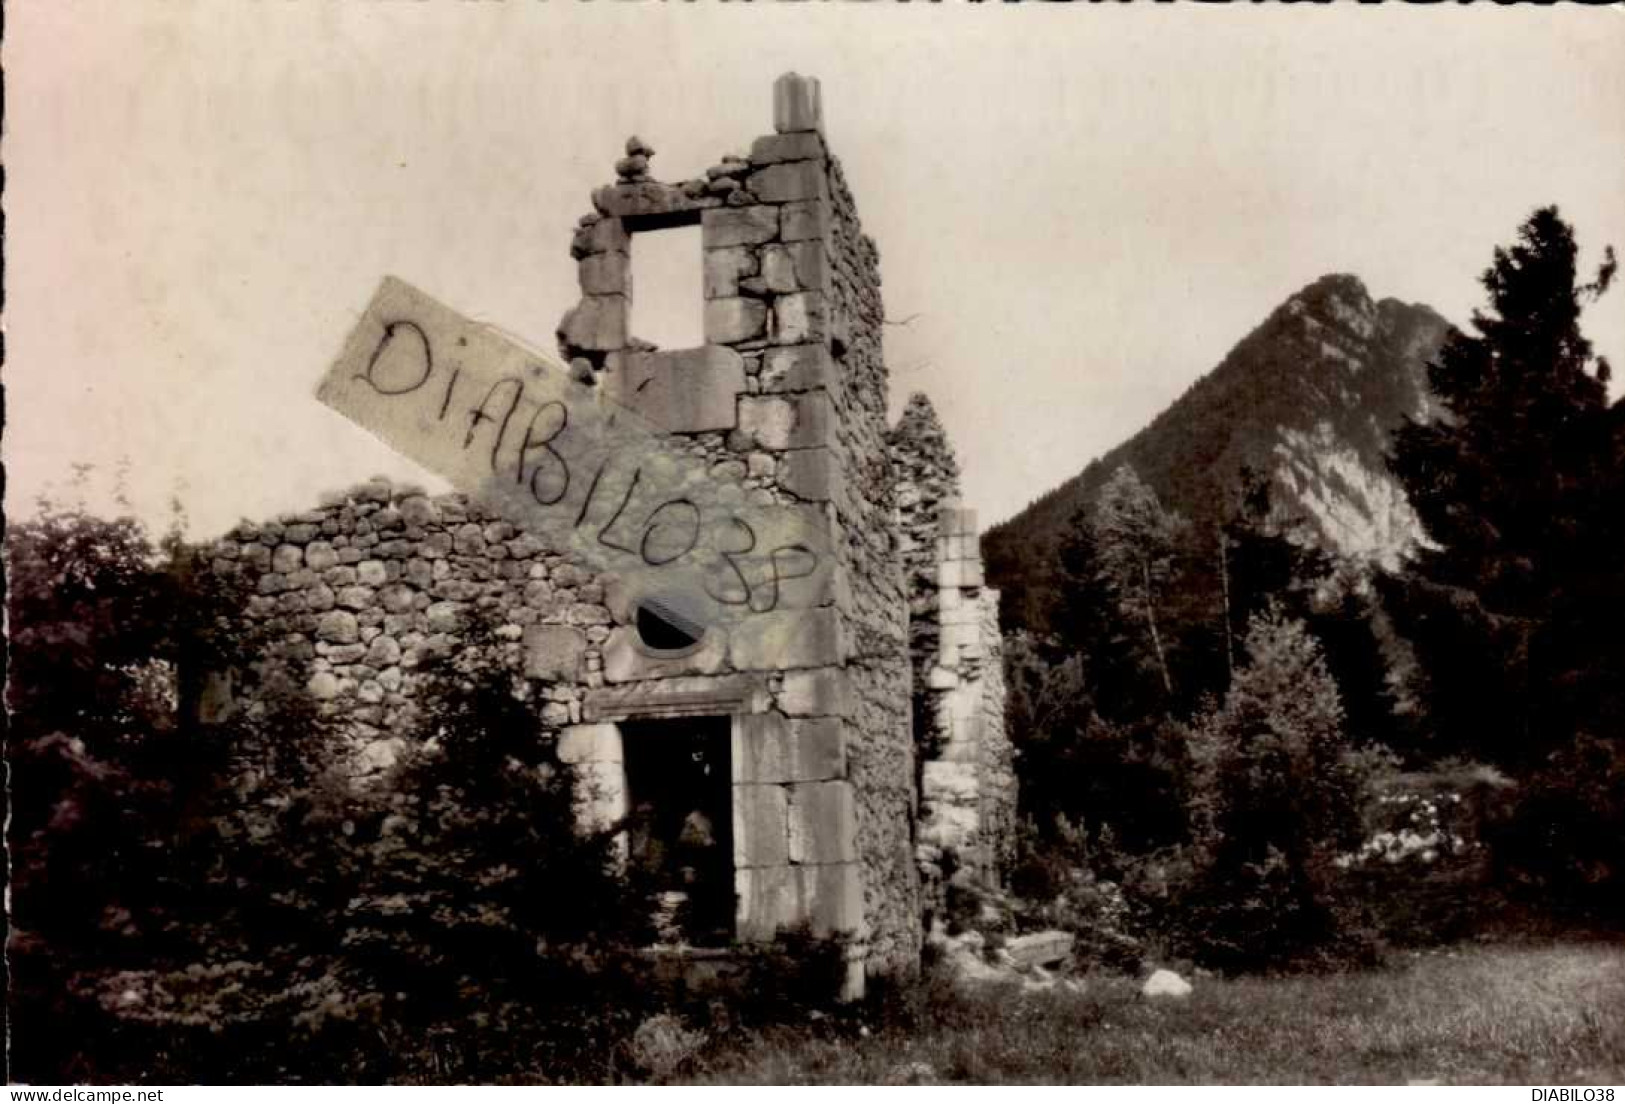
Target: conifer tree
1514	479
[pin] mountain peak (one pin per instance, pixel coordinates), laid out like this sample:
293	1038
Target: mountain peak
1307	399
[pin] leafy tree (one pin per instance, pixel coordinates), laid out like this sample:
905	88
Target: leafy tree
109	779
1134	543
1516	480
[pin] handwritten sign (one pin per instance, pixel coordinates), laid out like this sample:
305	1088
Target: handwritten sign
556	457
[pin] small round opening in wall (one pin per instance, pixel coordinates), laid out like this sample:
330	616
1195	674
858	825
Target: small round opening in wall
666	630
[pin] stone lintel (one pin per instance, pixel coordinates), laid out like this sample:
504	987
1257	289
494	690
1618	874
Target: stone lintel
698	696
648	198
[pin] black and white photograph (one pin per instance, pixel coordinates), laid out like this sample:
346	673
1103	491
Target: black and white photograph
749	542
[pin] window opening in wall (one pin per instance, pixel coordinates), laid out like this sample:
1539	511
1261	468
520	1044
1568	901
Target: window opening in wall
679	783
668	287
664	629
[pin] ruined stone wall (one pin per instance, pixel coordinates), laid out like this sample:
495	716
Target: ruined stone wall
997	794
966	778
882	750
359	591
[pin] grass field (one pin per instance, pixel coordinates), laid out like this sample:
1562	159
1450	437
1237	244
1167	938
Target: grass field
1522	1015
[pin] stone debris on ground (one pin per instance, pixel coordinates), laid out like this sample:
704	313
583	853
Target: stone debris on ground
966	958
1165	983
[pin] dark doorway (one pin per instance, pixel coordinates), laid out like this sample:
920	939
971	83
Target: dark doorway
679	783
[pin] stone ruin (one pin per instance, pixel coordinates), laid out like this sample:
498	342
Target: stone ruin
849	758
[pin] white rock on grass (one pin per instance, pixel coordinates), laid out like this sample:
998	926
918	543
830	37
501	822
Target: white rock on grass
1165	983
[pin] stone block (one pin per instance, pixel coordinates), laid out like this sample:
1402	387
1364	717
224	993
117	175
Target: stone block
806	220
770	421
384	651
954	520
770	149
768	748
725	267
810	474
797	368
732	320
598	322
645	197
554	652
607	235
823	822
831	898
761	825
759	741
797	104
787	639
319	556
445	617
948	826
789	182
949	781
959	573
814	420
338	627
287	557
739	226
688	391
1043	948
605	274
825	692
626	660
769	901
808	258
798	318
779	273
591	743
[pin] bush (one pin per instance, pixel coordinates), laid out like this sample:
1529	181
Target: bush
1276	800
1423	863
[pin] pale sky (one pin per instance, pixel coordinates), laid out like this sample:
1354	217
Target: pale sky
1081	207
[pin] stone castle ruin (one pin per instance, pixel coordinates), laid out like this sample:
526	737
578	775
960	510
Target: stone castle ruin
844	760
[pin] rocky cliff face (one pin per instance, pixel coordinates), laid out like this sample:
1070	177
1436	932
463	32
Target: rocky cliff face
1309	399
